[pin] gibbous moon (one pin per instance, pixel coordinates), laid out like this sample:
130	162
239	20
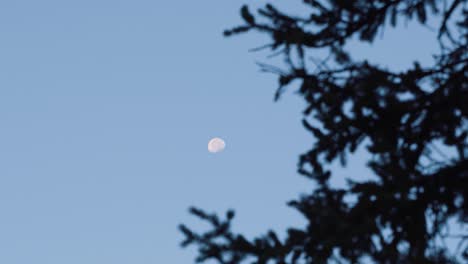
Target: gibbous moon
216	145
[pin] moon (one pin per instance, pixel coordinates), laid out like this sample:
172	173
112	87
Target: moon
216	145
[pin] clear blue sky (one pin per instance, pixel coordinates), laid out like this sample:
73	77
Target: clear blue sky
106	108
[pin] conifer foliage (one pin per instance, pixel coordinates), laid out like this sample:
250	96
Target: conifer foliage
413	123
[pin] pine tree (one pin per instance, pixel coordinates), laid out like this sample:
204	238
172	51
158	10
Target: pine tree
404	119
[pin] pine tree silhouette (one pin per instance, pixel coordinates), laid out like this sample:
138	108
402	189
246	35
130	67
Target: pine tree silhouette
402	118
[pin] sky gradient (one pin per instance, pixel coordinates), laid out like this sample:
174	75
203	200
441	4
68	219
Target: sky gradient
106	109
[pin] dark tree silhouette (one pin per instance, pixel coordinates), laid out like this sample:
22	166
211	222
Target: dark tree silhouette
407	120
